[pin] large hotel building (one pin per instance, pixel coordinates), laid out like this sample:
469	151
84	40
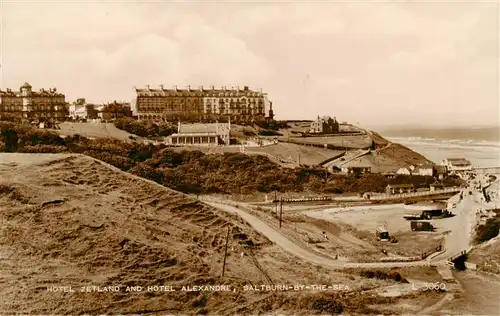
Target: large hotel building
210	104
28	104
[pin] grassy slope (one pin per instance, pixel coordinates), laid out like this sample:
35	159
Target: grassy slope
111	229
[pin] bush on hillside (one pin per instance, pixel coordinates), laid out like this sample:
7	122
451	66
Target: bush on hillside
191	171
488	230
145	129
272	125
10	118
36	137
43	149
120	162
269	133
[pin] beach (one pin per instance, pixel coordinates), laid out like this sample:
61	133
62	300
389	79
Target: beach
480	145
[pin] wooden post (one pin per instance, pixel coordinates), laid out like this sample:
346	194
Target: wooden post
281	209
225	251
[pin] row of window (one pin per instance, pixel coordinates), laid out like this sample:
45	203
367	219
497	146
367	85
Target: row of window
18	108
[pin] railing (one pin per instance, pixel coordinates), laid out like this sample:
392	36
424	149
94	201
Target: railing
458	255
415	194
487	170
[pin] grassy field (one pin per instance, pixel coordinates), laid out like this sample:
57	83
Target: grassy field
294	152
356	142
93	130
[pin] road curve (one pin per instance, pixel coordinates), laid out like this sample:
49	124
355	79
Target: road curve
291	247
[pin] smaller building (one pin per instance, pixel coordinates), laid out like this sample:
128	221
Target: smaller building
399	188
404	171
455	165
114	110
425	170
436	186
440	171
382	234
81	110
356	170
211	134
324	125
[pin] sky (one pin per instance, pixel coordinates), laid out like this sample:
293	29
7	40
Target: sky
379	63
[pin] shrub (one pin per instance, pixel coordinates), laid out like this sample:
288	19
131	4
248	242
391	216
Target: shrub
488	230
272	125
269	133
327	306
39	137
43	149
145	129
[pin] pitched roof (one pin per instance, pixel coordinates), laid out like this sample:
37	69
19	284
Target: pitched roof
400	185
201	92
198	128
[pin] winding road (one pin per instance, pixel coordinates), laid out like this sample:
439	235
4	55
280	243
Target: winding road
291	247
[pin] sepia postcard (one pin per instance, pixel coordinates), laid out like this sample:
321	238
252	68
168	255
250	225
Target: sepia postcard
244	157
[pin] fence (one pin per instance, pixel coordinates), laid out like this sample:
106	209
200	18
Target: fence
415	194
487	170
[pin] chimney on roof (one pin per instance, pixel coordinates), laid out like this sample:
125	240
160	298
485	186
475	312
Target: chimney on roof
201	88
238	88
212	87
175	88
161	87
224	88
147	87
189	88
245	88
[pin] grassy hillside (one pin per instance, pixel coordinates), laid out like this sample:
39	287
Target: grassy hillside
72	222
190	171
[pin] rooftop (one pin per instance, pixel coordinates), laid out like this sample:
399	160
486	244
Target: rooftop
200	128
400	185
201	92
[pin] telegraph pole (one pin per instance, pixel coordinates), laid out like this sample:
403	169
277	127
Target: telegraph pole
281	209
225	251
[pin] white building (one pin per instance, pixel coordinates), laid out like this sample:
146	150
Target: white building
404	171
457	164
214	134
425	170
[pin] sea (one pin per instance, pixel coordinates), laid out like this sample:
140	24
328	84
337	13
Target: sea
480	145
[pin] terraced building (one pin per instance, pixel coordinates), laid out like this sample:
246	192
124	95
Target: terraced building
40	105
234	104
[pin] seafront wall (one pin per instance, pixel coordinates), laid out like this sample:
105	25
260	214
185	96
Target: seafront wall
487	170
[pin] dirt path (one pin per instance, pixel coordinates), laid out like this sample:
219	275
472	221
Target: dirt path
461	228
289	246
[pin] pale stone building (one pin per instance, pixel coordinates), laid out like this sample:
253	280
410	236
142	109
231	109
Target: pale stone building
235	104
29	104
212	134
324	125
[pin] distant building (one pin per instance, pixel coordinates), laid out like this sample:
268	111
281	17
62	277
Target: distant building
425	170
404	171
271	112
40	105
440	171
436	186
82	110
456	164
399	188
356	170
324	125
235	104
114	110
211	134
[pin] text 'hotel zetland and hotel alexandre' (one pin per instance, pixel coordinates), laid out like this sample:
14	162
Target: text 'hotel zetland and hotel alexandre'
199	288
